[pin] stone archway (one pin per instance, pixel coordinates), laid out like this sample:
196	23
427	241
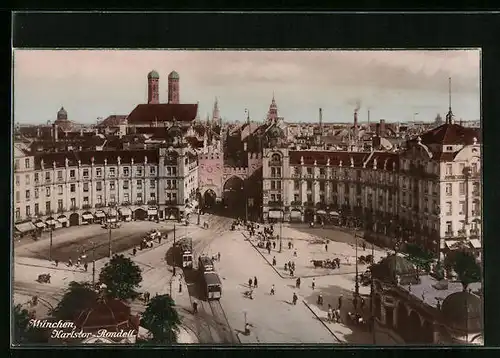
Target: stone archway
402	321
415	326
74	219
140	214
233	195
209	199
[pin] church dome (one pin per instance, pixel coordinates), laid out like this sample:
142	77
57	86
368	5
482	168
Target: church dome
462	311
62	114
153	75
173	75
394	266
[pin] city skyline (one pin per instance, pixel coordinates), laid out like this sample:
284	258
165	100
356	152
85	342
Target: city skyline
395	86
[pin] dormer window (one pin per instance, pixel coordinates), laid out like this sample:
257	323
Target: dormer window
449	148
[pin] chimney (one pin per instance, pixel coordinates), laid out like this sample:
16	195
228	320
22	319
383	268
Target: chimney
81	132
355	119
368	118
38	132
321	120
382	127
55	130
377	129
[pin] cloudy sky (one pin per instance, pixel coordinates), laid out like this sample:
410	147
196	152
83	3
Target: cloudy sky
393	85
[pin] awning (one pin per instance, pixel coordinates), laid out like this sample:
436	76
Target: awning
334	213
62	219
112	212
321	212
112	220
100	214
295	213
152	211
275	214
87	216
51	221
25	227
475	243
40	224
125	212
451	244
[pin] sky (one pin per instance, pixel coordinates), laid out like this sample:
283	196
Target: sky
391	85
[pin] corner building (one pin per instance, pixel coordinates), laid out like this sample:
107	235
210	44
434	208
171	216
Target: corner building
429	193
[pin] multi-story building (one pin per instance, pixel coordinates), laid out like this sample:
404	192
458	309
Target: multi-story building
430	193
67	188
23	188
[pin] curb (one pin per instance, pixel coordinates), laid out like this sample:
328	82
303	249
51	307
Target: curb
323	323
261	254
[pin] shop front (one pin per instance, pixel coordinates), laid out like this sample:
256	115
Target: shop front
63	220
152	213
296	215
275	216
87	218
125	214
25	228
100	216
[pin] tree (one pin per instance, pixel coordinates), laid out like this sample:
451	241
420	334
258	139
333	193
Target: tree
464	263
162	319
77	297
23	331
419	257
122	277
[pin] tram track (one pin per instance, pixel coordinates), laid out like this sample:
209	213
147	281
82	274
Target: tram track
221	319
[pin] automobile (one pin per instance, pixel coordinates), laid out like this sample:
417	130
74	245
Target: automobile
114	225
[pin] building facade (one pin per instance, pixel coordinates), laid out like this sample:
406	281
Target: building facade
64	186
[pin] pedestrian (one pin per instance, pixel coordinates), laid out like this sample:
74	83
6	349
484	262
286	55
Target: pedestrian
195	307
295	253
70	263
85	266
269	250
297	282
247	329
274	260
180	287
320	300
355	302
362	303
134	251
330	313
313	285
286	266
218	256
326	247
159	239
291	272
364	246
294	298
250	282
255	282
293	265
340	301
274	244
272	290
57	262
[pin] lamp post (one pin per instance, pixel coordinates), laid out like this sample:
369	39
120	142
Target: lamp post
93	262
50	247
356	285
198	196
372	296
173	263
281	228
109	231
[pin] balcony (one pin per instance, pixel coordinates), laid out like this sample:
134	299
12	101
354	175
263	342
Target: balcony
152	202
275	163
296	175
476	193
474	232
476	213
61	210
461	232
86	206
73	208
309	176
139	202
296	203
170	202
100	205
275	203
309	204
126	203
60	179
47	180
448	234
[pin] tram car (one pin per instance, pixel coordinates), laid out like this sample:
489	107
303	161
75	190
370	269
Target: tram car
213	285
205	264
184	253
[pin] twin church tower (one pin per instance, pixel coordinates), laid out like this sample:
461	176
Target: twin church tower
154	87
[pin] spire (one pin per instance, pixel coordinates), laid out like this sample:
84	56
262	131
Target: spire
449	115
216	112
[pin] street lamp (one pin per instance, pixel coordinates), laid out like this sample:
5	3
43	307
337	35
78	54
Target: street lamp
109	231
50	247
281	228
175	251
372	296
356	285
93	262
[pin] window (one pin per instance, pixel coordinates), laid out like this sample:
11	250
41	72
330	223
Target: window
36	193
152	184
72	173
126	198
37	209
462	208
18	196
59	204
16	164
278	197
174	197
474	168
309	185
296	185
112	172
322	186
85	200
73	203
112	185
18	213
60	189
36	178
309	198
152	196
152	170
322	199
98	186
273	185
475	188
72	188
461	167
98	172
85	187
296	197
309	170
448	208
449	169
125	184
139	196
139	171
450	148
27	179
85	173
126	171
28	195
139	185
47	191
273	197
322	171
448	190
17	179
461	188
99	199
112	198
27	163
59	175
276	158
449	227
